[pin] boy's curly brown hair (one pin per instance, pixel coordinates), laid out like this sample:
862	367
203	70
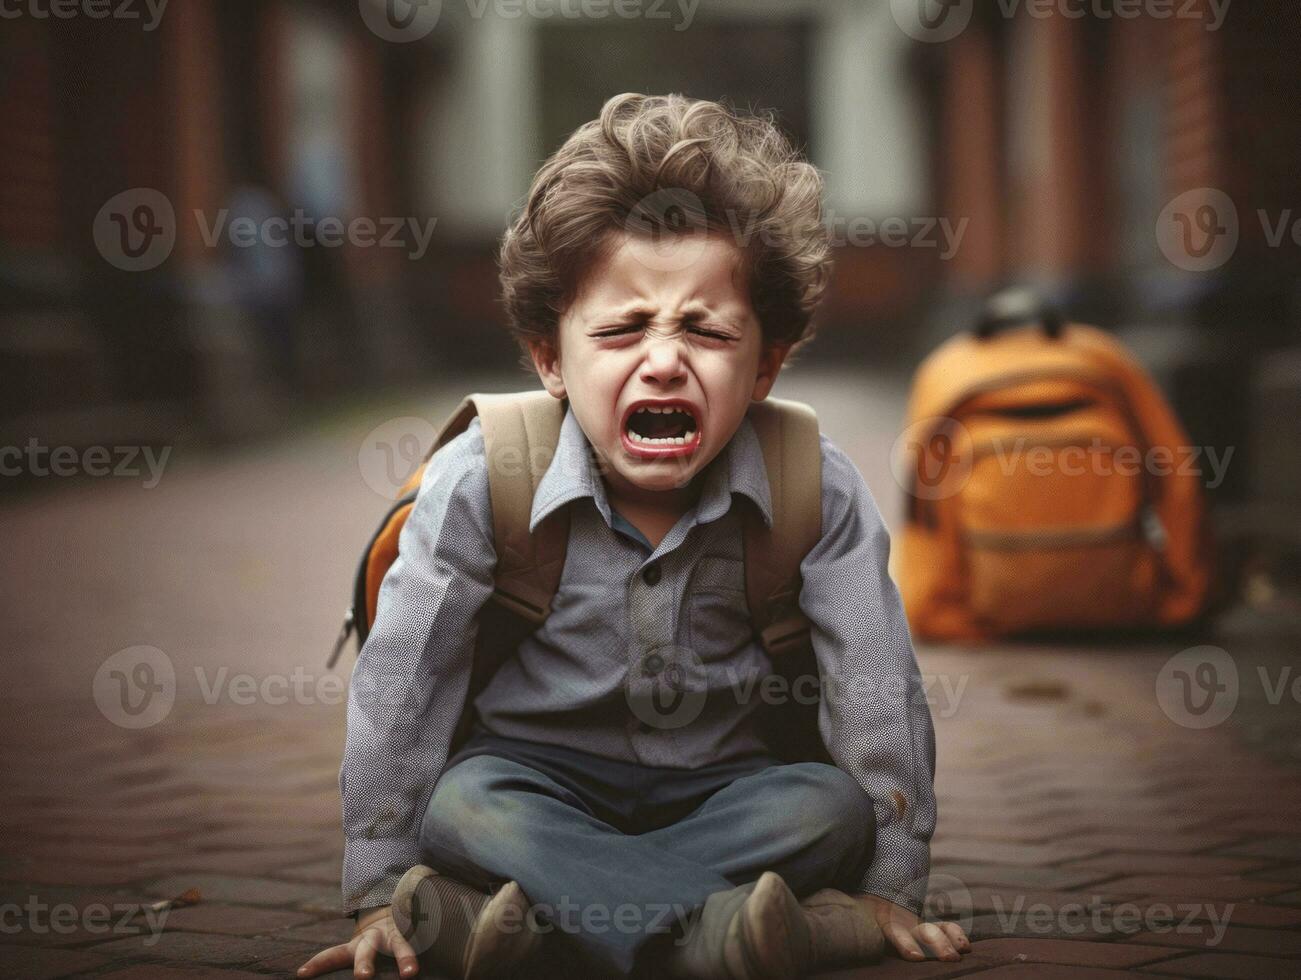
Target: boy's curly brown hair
666	164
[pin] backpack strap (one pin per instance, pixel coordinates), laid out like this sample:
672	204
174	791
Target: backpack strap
520	434
792	452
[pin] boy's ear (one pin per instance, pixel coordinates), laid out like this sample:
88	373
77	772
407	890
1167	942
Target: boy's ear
546	361
771	359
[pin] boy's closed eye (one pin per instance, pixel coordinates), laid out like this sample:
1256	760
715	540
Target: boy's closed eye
699	330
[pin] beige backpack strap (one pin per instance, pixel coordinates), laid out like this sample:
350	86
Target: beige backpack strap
788	433
520	434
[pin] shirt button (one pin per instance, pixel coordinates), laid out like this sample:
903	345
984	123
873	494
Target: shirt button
651	574
652	665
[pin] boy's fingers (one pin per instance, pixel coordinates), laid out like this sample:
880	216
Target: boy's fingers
408	964
956	936
363	957
938	943
903	941
333	958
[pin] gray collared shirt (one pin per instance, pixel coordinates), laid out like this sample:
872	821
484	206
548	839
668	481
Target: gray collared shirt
629	624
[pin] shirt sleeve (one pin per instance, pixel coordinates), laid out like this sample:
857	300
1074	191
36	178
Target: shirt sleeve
411	677
874	718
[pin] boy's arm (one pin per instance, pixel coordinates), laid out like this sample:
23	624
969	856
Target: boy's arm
410	681
874	719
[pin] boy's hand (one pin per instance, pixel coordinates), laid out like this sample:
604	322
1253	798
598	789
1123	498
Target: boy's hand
376	933
909	935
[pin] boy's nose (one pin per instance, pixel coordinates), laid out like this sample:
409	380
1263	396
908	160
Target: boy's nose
663	362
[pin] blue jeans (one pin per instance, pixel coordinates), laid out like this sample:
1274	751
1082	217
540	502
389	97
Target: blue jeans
613	855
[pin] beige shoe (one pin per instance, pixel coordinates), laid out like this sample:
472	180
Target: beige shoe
842	932
753	932
460	929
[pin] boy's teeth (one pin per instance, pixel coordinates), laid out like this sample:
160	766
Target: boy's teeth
666	441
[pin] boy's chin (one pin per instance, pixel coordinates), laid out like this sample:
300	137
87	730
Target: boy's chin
657	476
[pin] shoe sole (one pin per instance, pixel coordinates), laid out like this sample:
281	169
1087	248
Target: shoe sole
460	929
774	936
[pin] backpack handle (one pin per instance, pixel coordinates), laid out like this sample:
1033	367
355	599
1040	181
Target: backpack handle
1016	308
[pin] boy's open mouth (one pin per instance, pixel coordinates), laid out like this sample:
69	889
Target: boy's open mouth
653	430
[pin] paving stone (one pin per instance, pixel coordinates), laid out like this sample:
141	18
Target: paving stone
964	850
1019	876
166	971
893	968
57	872
254	863
1234	939
327	932
321	872
1272	871
242	889
1280	846
36	963
195	947
1220	888
1133	862
1045	971
233	920
1166	908
1075	927
1105	955
1230	966
1155	840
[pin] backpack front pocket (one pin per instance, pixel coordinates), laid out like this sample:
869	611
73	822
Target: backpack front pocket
1052	536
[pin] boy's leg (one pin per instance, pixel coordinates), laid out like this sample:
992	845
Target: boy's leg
493	819
808	821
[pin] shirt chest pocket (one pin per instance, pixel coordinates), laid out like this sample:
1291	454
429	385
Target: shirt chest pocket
716	608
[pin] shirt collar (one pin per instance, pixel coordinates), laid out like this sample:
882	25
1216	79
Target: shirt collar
739	468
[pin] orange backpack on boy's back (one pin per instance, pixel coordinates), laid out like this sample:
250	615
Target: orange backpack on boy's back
1051	487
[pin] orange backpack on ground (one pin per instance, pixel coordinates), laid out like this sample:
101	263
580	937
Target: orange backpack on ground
1050	487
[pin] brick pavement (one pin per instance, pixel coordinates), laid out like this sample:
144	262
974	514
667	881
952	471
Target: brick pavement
1082	834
